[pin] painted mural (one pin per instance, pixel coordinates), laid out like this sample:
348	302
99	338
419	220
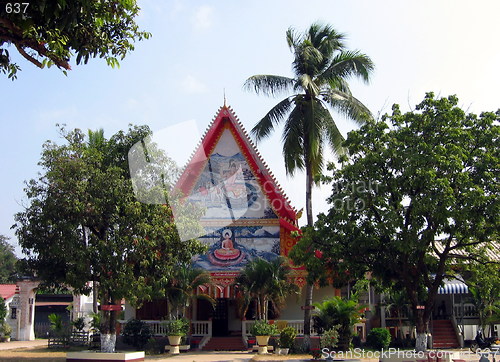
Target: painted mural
230	248
227	188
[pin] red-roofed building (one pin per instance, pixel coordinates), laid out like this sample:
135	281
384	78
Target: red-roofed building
7	291
246	215
10	294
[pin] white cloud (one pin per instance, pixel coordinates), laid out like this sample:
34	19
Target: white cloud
190	84
202	18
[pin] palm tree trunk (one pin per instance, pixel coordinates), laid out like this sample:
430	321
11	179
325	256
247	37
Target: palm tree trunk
309	287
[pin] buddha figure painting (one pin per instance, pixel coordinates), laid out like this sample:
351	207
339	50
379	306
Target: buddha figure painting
227	254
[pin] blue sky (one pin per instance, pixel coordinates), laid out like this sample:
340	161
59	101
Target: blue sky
199	48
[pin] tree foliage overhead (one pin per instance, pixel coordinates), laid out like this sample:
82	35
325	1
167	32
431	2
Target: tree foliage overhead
415	190
83	222
51	32
8	261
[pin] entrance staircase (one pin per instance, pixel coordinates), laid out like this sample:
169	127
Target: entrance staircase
225	344
443	334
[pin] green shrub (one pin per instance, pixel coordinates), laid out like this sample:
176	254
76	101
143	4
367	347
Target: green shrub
287	337
378	338
330	338
56	324
95	324
177	327
263	328
136	333
5	329
153	347
3	310
79	324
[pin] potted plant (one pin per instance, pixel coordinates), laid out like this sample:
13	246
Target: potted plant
262	330
175	330
5	331
287	338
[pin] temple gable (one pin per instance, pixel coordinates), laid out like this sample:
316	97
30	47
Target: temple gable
246	214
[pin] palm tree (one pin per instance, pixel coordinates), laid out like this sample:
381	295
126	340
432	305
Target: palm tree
321	66
265	282
182	288
397	303
344	313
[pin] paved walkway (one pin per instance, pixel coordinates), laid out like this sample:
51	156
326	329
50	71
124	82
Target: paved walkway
23	344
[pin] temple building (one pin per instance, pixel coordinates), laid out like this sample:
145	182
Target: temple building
247	215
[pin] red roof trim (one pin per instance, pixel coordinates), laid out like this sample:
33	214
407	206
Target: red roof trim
226	118
289	226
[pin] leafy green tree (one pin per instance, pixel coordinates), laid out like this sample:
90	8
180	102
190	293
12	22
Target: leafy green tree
484	285
83	223
51	32
265	282
416	190
182	289
341	314
8	260
322	67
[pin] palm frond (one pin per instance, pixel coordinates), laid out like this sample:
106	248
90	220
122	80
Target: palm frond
332	134
292	38
308	60
308	84
325	38
293	141
269	85
349	64
266	125
347	105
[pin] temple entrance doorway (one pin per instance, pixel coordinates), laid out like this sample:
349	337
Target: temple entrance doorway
220	318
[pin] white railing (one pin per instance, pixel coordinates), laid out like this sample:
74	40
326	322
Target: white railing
297	324
159	328
201	328
465	310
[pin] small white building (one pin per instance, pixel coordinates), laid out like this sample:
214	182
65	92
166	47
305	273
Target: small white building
10	294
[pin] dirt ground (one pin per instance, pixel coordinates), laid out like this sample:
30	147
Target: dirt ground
34	354
49	355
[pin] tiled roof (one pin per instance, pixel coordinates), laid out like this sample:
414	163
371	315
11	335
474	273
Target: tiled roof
7	290
492	252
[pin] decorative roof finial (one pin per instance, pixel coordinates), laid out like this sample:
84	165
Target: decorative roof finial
224	91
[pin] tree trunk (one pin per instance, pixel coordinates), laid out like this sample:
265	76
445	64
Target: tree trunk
421	342
309	287
421	325
94	297
108	328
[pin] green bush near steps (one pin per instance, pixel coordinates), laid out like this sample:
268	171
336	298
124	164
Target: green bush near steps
136	333
378	338
287	337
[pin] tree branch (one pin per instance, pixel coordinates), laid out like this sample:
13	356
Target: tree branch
28	57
